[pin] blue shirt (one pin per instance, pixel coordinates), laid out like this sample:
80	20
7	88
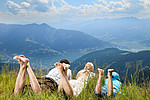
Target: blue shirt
116	84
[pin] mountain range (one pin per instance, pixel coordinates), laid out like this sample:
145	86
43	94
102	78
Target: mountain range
126	63
92	43
45	43
123	62
126	32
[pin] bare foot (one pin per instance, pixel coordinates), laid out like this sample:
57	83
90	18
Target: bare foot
60	67
18	57
101	72
66	66
21	59
110	72
22	56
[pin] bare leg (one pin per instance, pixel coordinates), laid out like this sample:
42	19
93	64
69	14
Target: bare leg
33	80
110	83
60	87
65	83
98	85
66	67
20	81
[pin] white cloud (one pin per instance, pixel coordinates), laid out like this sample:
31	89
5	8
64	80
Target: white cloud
13	7
145	3
100	8
41	5
30	5
114	5
25	5
44	10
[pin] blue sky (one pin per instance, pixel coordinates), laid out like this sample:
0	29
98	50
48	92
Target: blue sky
49	11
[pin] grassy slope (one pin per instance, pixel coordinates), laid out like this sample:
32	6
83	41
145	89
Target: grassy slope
132	91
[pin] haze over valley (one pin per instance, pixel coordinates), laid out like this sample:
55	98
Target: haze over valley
46	44
128	33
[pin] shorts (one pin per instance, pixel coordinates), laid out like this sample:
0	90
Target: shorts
46	84
103	93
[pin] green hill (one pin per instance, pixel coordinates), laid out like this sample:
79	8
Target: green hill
99	58
130	91
6	67
45	42
124	62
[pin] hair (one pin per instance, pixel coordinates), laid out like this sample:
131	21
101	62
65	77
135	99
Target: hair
64	61
89	66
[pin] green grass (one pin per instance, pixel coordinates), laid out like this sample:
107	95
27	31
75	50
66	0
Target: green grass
130	90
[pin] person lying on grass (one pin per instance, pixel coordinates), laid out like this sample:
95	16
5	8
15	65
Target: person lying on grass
49	82
112	84
64	84
82	78
70	88
74	87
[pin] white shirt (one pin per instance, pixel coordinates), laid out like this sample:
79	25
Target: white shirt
54	74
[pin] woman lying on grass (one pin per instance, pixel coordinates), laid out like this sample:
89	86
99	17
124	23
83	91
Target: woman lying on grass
49	82
82	78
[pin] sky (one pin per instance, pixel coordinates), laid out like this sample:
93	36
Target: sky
49	11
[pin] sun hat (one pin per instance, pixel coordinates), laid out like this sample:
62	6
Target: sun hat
115	75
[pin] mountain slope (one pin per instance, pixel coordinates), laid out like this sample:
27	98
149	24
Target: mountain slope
125	63
100	58
114	30
126	32
45	42
146	42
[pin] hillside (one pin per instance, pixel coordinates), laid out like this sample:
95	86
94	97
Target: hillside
100	57
45	42
146	42
126	32
130	91
116	29
6	67
124	62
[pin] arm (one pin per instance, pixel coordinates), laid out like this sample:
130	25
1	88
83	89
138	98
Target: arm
77	75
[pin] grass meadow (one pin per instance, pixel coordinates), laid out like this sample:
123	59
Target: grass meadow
130	90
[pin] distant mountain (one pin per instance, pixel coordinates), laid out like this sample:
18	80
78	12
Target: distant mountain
124	62
99	58
45	42
126	32
146	42
117	29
